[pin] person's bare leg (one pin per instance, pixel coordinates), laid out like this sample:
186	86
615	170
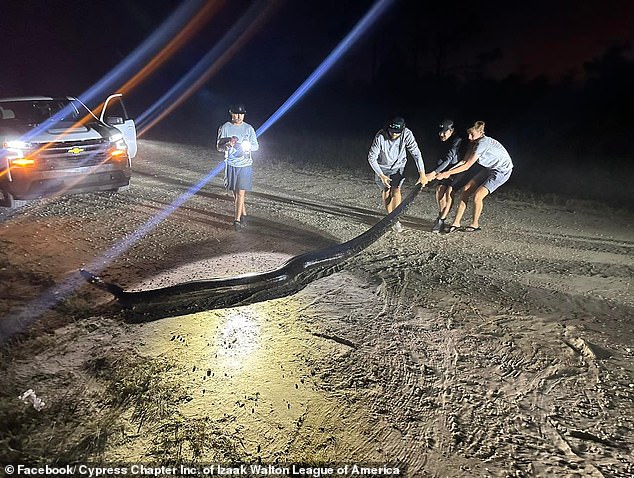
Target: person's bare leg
239	203
387	198
467	192
478	205
462	206
440	197
395	199
447	202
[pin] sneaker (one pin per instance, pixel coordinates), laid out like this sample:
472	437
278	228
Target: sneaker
237	225
244	220
439	225
398	227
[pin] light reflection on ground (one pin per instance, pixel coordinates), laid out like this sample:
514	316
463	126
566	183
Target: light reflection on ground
245	370
264	375
237	338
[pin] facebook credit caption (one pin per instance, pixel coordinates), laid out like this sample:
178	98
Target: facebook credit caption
248	470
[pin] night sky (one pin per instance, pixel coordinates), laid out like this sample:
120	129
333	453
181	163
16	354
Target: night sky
522	67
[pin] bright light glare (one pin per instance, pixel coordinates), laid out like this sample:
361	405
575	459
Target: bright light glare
238	337
16	144
246	146
203	70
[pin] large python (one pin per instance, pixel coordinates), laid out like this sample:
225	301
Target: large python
290	277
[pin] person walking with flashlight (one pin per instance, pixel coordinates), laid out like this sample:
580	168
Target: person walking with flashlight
237	139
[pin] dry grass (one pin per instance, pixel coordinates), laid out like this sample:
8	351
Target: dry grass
117	399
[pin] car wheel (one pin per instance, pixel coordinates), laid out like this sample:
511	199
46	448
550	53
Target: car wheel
7	200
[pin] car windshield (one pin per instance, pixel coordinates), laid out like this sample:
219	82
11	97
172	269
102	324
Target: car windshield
34	112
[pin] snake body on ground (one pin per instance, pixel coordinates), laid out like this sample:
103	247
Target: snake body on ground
290	277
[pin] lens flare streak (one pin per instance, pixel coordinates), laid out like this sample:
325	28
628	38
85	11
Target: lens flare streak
56	294
216	58
181	26
170	29
150	225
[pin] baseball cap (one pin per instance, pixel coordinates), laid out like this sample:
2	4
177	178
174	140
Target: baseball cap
238	109
396	125
445	125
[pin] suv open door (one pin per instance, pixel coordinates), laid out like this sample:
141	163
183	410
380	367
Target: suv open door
115	114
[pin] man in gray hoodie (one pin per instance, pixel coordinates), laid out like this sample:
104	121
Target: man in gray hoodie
388	157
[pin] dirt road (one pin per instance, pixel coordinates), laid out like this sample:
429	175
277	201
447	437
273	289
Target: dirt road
505	352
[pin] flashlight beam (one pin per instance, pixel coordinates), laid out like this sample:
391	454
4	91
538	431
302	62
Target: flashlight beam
170	29
368	19
53	296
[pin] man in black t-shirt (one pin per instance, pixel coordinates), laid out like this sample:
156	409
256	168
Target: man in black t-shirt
455	150
447	160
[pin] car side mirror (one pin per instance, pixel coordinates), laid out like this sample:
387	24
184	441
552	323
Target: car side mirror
113	120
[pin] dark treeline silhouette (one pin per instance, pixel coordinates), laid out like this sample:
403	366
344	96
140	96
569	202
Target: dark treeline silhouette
428	61
570	136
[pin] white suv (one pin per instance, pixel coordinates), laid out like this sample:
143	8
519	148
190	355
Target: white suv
51	146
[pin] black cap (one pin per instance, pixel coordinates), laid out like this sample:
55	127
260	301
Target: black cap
238	109
396	125
445	125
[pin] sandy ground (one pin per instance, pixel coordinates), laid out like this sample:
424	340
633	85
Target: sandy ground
506	352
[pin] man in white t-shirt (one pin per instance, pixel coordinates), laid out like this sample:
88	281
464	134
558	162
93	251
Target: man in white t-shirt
237	139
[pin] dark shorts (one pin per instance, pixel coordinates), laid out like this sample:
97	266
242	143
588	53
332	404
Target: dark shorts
446	182
461	179
396	179
238	179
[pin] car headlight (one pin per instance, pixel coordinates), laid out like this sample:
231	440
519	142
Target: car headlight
16	144
119	148
118	145
17	150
